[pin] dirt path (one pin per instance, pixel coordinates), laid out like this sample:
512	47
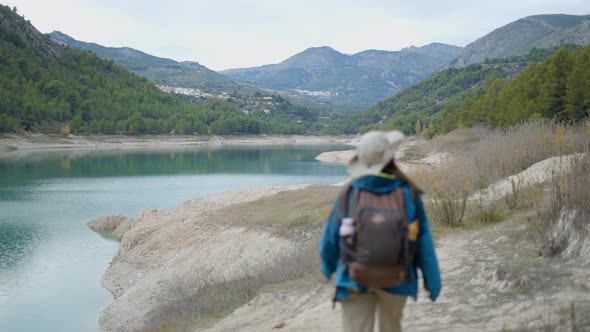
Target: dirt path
493	279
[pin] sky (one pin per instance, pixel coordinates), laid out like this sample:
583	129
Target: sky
224	34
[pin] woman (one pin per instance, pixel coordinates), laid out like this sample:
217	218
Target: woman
375	174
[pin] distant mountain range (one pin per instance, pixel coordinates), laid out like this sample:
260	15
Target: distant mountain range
322	76
162	71
51	88
349	81
518	37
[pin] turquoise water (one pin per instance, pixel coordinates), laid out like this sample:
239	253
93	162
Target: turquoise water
51	263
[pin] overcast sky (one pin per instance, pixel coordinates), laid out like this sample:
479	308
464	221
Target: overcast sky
223	34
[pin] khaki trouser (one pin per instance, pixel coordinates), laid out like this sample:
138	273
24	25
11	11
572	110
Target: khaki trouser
358	311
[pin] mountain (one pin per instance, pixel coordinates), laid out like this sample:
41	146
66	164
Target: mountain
162	71
22	34
517	38
349	81
47	87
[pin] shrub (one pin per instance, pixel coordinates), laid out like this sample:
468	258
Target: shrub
562	221
482	157
512	198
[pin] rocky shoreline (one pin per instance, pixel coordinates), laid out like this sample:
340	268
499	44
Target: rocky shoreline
13	144
212	240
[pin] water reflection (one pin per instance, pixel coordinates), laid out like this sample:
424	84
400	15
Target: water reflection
296	160
16	241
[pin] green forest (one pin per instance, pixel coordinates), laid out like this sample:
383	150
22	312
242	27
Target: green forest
557	88
417	102
45	87
497	93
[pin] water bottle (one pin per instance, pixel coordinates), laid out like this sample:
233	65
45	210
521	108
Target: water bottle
347	227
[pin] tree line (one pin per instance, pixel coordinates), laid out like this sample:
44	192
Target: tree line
557	88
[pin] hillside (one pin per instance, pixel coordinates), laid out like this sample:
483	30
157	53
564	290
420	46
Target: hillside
194	80
418	101
419	106
349	81
517	38
557	88
46	87
159	70
416	106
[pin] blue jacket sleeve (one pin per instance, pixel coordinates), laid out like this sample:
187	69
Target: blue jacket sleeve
425	254
329	247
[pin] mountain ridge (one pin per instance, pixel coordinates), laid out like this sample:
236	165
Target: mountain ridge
359	79
518	37
46	87
190	74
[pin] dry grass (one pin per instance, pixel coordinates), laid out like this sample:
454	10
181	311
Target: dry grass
485	156
565	213
574	317
459	140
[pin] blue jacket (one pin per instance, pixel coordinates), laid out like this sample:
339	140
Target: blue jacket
425	257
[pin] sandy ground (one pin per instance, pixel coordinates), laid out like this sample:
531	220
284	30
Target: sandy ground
492	280
14	143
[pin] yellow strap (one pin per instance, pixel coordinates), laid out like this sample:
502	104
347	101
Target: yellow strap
386	175
413	231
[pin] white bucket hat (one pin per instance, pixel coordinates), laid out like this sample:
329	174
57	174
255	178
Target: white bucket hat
375	150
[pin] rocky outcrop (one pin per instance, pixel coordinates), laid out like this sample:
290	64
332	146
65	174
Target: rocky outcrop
111	226
11	22
336	156
537	173
170	256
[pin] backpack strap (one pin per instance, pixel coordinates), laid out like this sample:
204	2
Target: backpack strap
354	199
343	207
414	199
344	202
413	194
401	202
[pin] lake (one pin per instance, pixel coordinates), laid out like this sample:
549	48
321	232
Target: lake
51	263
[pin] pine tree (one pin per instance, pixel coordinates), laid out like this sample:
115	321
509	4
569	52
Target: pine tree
418	128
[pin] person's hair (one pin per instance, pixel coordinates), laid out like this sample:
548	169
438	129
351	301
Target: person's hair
391	168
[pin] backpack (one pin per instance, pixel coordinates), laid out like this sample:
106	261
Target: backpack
379	247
